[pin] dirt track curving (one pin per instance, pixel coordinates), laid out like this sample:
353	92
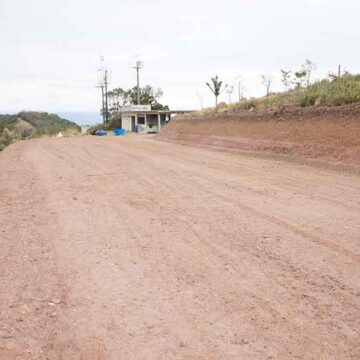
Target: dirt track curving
131	248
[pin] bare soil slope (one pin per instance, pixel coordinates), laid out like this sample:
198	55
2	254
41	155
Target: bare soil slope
320	133
130	248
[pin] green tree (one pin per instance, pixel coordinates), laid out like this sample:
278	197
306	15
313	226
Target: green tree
300	78
215	88
148	96
119	97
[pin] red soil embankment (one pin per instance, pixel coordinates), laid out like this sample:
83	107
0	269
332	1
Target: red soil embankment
326	134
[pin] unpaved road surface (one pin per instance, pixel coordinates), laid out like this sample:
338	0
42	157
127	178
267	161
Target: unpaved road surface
131	248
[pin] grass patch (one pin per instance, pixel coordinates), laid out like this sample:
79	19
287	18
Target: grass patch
334	91
329	92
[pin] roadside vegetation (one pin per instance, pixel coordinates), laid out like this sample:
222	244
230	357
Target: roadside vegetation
26	125
328	92
335	90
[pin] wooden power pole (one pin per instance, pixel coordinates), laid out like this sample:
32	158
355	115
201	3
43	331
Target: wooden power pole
106	96
138	66
101	86
102	103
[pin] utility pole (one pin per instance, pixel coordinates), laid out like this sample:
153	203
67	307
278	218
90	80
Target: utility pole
103	86
138	66
103	103
106	96
339	71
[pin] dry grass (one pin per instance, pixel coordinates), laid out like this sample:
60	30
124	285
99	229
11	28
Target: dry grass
329	92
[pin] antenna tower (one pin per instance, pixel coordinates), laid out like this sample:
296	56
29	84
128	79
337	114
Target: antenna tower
139	65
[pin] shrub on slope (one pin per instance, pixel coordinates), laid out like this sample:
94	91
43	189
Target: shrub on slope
328	92
32	124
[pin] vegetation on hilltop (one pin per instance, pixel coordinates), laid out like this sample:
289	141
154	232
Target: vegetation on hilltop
333	91
328	92
27	125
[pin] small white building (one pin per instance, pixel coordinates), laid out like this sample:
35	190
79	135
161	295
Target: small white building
140	118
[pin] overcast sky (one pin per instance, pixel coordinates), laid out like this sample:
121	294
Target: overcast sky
50	49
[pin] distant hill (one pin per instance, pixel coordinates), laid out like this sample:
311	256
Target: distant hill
28	124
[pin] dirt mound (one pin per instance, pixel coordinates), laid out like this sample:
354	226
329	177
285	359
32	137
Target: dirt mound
321	133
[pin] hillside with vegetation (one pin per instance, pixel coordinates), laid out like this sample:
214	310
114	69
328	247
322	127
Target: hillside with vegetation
26	125
333	91
320	121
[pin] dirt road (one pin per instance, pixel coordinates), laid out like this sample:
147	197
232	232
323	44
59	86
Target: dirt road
131	248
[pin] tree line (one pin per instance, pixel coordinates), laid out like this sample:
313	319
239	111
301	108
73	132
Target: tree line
119	97
300	78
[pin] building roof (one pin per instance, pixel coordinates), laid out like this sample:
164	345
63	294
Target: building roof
156	112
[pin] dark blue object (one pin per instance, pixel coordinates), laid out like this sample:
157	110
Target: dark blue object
101	132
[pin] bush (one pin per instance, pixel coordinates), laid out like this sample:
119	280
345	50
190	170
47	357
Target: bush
26	134
5	138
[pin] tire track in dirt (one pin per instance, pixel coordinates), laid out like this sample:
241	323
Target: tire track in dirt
163	251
